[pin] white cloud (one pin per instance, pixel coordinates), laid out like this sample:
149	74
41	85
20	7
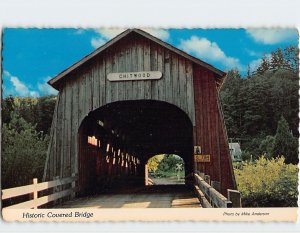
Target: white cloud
19	86
45	89
105	34
97	42
14	86
272	36
109	33
210	51
159	33
254	64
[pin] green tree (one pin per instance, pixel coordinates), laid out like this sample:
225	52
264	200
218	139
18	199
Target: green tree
153	162
23	152
267	146
274	60
8	106
285	143
168	163
44	110
37	111
252	107
291	58
264	65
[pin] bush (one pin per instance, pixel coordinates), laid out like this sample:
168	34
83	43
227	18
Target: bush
23	153
268	183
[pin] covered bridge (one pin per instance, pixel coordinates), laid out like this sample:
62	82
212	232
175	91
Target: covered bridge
130	99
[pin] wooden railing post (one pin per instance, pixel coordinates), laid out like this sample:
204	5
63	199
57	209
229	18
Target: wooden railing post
201	174
207	179
73	186
215	198
146	175
216	185
56	189
35	193
235	197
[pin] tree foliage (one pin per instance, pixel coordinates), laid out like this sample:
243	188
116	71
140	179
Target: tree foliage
23	152
284	143
253	106
153	162
164	164
268	183
25	135
37	111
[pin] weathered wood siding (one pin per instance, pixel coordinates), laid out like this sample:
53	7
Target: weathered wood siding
210	132
189	86
87	89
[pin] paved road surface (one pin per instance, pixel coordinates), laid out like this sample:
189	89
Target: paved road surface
155	196
167	181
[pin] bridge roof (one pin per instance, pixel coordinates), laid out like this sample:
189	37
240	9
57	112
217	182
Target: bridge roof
219	75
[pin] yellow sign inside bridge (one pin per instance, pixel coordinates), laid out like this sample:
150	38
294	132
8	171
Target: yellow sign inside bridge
202	158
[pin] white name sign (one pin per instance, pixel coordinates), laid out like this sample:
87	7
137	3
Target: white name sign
128	76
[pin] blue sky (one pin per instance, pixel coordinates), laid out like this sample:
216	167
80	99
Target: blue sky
32	56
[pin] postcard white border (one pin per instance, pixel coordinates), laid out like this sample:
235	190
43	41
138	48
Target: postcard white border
229	13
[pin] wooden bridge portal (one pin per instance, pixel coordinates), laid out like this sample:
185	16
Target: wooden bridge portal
132	98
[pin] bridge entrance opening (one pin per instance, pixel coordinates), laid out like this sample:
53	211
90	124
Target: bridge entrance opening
165	169
117	140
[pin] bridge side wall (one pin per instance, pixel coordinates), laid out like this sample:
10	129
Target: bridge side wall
210	132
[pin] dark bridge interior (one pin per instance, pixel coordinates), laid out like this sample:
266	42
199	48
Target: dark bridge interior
116	141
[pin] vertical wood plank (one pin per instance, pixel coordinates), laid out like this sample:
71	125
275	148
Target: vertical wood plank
85	95
68	129
182	81
102	80
147	67
199	109
51	151
75	127
129	66
174	88
134	57
56	168
96	84
81	93
190	91
213	132
114	85
62	134
140	55
153	65
108	69
35	193
90	88
206	122
210	131
167	76
120	67
160	67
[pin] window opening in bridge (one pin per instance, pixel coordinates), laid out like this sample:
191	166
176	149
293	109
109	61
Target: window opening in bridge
166	169
92	140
